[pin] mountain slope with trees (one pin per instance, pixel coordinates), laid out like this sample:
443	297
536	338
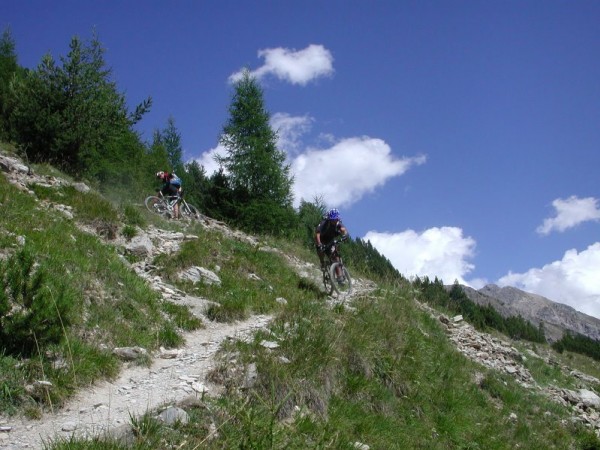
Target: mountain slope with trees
555	318
380	370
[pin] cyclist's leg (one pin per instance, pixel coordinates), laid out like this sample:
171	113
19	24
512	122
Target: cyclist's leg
321	258
339	275
174	200
177	207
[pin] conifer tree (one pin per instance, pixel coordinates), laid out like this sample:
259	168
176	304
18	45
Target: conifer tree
70	114
8	69
255	167
196	184
170	140
309	215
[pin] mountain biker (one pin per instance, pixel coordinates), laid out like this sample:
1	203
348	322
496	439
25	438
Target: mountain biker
171	188
326	231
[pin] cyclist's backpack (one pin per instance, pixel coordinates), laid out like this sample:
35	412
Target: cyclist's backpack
175	180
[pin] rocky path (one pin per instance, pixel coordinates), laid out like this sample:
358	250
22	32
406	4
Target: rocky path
172	377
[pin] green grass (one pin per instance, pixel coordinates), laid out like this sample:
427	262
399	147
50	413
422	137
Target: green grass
112	306
89	207
12	384
48	170
251	279
382	373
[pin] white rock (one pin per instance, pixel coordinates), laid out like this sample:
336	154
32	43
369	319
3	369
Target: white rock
269	344
589	398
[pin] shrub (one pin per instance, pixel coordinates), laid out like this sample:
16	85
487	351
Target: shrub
33	313
133	216
129	231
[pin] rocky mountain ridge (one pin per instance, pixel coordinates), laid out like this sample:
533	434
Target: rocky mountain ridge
557	318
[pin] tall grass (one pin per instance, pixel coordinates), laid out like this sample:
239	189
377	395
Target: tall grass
381	372
251	279
110	306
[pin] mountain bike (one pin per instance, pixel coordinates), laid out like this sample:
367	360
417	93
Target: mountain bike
164	206
333	266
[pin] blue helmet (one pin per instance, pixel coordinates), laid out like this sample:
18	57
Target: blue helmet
333	214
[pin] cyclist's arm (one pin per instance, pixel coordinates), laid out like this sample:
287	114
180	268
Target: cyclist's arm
318	238
318	230
343	231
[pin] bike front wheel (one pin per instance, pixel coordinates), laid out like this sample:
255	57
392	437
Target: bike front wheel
327	282
342	284
156	205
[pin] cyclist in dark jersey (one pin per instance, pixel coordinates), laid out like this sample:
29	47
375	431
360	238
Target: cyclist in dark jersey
326	231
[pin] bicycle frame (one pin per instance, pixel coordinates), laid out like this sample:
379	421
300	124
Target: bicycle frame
332	253
165	205
170	200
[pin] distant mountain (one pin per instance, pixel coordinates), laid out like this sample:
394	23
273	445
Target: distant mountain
556	317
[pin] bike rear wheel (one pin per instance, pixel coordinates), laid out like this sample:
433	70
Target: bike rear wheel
344	285
189	211
156	205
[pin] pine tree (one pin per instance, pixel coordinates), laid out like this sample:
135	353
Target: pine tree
309	215
69	114
256	168
8	69
196	184
170	140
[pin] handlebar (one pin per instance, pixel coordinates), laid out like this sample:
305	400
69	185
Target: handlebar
336	241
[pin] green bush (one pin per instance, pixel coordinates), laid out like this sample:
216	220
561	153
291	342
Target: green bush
129	231
33	313
133	216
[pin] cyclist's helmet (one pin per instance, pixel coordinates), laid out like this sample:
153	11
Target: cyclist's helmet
333	214
160	174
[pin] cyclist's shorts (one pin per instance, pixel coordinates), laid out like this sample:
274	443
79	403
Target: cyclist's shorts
169	190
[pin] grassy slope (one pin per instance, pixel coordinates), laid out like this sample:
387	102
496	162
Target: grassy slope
382	373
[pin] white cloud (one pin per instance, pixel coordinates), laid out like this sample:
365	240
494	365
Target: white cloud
342	174
207	159
573	280
297	67
569	213
443	252
289	130
348	170
478	283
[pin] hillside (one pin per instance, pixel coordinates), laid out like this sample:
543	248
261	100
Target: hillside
251	353
555	317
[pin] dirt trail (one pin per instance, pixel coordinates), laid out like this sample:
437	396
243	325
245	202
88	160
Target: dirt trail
110	404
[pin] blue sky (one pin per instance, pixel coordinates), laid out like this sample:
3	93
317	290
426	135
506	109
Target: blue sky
462	138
